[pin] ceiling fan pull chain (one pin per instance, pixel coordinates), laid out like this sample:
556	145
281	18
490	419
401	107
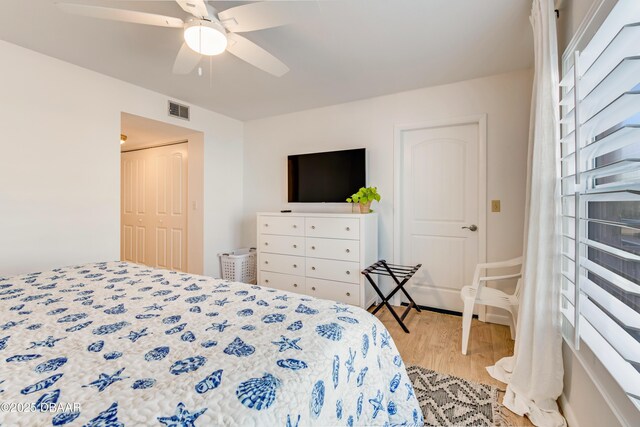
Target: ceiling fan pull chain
200	39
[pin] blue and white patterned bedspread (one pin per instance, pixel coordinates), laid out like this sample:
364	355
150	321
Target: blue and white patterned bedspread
138	346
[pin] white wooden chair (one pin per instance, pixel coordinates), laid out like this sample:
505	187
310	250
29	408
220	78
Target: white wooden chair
479	293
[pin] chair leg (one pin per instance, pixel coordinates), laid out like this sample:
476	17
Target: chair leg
467	315
514	321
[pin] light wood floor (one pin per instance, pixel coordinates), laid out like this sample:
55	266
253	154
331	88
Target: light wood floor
434	343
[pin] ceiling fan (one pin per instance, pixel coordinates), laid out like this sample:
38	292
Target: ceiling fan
209	32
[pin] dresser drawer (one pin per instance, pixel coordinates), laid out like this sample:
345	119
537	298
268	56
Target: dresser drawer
284	282
336	228
287	264
347	293
341	249
342	271
287	245
287	225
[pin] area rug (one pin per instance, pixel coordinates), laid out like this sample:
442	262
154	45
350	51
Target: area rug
446	400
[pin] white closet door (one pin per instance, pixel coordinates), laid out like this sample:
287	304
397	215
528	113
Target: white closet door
439	188
154	207
134	205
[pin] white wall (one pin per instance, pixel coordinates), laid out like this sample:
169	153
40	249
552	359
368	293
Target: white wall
593	398
572	13
582	16
60	164
370	123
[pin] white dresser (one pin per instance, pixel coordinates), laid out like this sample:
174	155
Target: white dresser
318	254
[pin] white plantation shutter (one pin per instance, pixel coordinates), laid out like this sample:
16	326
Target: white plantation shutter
600	165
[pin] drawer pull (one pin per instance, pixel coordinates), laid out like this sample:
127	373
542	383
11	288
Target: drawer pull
295	246
295	226
348	294
266	262
348	272
313	288
295	285
313	227
266	225
266	280
266	243
313	248
313	268
348	229
348	251
295	265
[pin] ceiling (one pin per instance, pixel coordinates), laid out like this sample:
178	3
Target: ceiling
142	132
343	50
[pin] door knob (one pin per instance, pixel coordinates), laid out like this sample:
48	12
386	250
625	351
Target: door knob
472	227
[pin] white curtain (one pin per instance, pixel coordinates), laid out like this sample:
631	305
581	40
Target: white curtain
534	374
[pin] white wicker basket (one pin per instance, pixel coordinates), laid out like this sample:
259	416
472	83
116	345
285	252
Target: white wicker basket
239	265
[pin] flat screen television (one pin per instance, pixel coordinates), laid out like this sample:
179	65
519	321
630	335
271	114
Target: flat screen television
328	177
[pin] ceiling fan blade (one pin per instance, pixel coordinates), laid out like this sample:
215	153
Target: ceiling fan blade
197	8
255	55
261	15
186	60
121	15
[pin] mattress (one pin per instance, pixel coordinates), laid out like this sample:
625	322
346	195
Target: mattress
112	344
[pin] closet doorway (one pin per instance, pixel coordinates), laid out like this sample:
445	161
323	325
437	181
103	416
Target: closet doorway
154	206
160	204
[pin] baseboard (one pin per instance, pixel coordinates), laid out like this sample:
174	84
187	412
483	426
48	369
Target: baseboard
371	302
567	412
437	310
500	319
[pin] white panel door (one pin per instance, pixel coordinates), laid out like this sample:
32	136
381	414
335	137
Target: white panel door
170	206
134	202
440	196
156	179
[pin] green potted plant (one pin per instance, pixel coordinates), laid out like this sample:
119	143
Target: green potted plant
364	197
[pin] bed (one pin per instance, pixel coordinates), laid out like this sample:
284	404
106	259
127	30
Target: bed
112	344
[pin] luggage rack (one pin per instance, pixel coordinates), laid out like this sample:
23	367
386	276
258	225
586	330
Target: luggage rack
401	275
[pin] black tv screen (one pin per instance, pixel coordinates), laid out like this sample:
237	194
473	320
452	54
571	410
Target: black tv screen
326	177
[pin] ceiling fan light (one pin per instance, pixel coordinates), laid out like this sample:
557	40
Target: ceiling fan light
206	38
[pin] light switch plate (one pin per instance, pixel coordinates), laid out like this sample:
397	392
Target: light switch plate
495	206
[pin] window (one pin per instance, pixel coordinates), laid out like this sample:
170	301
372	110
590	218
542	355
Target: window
600	184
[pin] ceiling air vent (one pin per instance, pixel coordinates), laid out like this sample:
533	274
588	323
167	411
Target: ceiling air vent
178	110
